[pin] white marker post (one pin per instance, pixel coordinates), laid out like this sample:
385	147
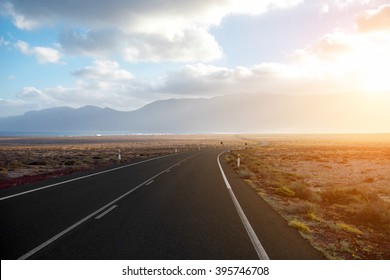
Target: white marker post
175	150
238	160
119	155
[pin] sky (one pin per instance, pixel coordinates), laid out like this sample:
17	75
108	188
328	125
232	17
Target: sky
124	54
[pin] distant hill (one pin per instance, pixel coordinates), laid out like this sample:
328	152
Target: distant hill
239	113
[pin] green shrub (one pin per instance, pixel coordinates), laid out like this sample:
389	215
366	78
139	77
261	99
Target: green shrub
333	195
376	215
299	226
285	191
348	228
245	174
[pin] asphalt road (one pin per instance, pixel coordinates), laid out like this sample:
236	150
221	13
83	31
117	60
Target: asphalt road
172	207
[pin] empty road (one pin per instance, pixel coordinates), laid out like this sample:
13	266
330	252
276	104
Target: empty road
179	206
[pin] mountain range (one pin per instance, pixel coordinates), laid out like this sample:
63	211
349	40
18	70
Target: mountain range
237	113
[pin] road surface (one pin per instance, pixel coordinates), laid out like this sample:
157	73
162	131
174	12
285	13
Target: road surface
171	207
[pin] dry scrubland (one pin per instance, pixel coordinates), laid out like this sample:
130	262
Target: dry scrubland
29	159
334	189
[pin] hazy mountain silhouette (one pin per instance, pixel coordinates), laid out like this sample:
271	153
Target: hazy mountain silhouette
231	113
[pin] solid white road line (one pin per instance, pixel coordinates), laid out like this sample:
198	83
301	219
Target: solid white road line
252	235
82	177
62	233
105	212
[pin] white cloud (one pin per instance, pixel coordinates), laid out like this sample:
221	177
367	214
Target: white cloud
46	55
343	4
103	84
43	54
339	61
139	16
208	80
23	47
374	20
194	44
19	20
155	31
104	70
91	43
361	58
3	42
30	92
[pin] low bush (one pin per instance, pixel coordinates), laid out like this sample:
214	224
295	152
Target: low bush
334	195
285	191
299	226
375	215
348	228
245	174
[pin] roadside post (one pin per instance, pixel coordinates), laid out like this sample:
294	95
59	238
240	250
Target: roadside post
238	160
119	156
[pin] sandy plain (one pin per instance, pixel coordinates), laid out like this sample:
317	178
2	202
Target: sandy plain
334	189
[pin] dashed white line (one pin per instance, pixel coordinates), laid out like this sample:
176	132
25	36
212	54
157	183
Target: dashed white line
252	235
148	183
105	212
62	233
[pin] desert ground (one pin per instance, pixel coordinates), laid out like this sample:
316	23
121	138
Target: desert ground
335	189
29	159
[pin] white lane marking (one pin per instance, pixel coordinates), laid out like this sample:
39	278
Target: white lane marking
82	177
55	237
252	235
168	171
105	212
148	183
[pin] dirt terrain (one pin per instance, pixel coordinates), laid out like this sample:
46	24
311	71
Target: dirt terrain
334	189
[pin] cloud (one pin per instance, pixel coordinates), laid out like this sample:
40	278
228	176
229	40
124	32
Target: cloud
154	31
198	80
138	16
104	70
361	57
91	43
374	20
3	42
104	84
30	93
193	44
43	54
23	47
344	4
339	61
18	19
